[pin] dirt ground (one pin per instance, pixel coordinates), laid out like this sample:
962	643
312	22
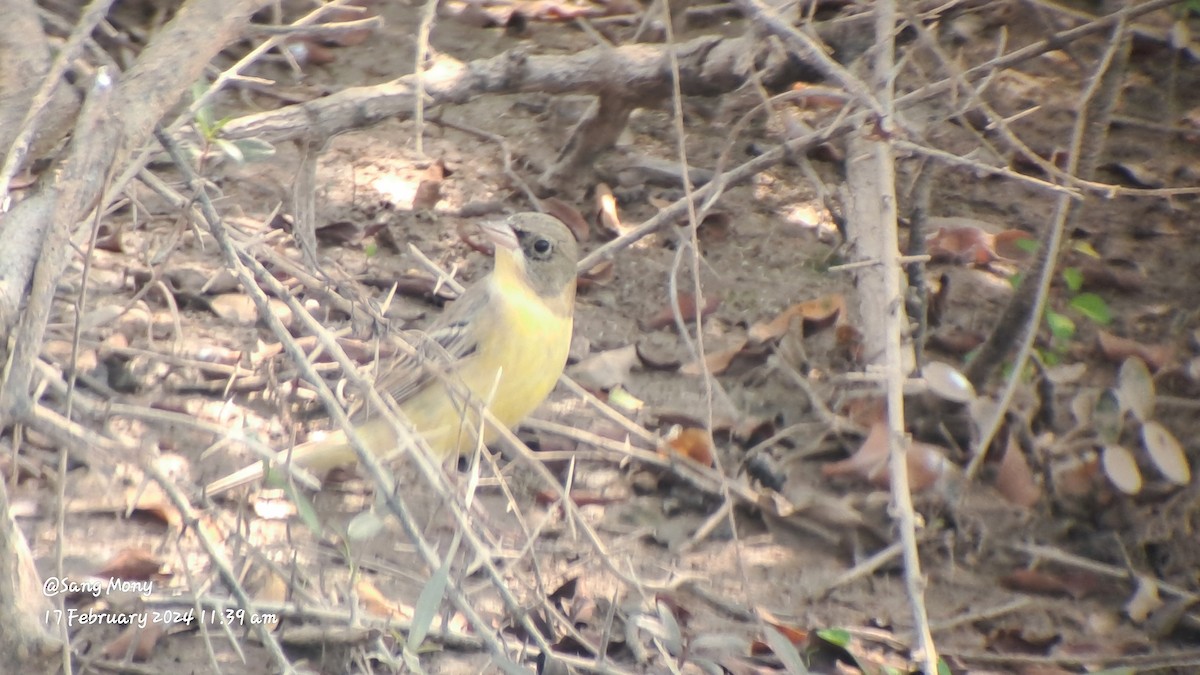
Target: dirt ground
674	579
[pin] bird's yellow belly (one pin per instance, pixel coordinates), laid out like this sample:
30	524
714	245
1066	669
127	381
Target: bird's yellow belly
516	374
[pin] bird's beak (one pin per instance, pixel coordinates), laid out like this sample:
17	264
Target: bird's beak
501	234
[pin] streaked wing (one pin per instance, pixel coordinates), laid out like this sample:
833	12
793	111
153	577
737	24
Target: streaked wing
439	351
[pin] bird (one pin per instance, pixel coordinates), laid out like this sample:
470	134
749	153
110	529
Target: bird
503	342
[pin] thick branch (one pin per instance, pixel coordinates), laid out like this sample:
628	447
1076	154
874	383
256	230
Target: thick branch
708	66
148	91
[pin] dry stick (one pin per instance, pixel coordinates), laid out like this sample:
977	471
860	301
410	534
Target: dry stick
92	15
863	569
85	158
813	54
987	614
1099	99
1143	663
703	478
876	210
428	13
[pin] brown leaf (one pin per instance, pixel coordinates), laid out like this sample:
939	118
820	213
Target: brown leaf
1116	349
602	274
377	604
570	216
718	362
814	314
1035	581
607	218
1014	479
955	341
1077	481
926	462
962	245
691	442
1011	244
427	196
687	308
132	564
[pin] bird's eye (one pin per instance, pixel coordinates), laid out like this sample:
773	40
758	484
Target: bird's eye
542	246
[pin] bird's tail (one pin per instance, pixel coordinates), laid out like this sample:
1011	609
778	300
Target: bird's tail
317	456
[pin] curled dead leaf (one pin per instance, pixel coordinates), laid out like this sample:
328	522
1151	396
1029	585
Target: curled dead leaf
814	314
692	442
607	218
961	245
926	462
601	274
569	215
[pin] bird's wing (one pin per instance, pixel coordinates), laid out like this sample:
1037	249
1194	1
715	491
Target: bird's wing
439	351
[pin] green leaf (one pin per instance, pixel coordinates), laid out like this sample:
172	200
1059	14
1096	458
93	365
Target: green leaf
839	637
1016	279
431	597
304	507
366	525
1027	244
231	150
943	667
1093	307
1074	278
1061	326
1085	248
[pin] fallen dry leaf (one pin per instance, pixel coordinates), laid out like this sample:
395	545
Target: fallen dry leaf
1166	452
1116	349
570	216
1014	479
607	218
605	370
132	564
1121	468
716	362
926	462
961	245
814	314
687	309
376	604
692	442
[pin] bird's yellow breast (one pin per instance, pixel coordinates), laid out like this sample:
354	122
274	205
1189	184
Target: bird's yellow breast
522	347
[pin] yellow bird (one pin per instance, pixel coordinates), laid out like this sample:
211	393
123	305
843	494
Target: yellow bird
503	343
